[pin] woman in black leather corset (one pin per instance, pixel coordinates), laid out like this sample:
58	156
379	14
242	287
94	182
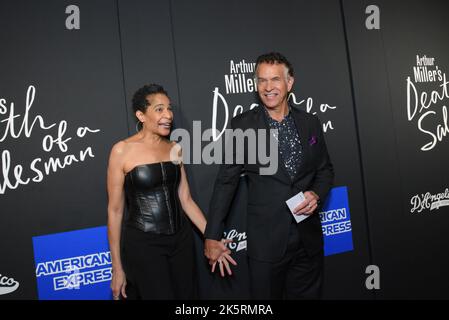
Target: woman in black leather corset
152	248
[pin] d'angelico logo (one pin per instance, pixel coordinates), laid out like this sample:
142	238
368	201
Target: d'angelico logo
336	222
238	240
7	285
429	201
73	265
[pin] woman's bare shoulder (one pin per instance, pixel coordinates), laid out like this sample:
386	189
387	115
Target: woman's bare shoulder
119	148
124	147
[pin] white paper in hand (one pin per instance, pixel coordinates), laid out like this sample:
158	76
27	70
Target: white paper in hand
295	201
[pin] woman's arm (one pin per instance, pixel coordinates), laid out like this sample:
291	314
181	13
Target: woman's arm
196	216
189	205
116	201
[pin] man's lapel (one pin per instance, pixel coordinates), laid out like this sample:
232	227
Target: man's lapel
303	129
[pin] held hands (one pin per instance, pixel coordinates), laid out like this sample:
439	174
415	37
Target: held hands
309	205
118	284
217	252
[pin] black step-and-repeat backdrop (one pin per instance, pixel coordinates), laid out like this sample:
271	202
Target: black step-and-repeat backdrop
67	74
401	93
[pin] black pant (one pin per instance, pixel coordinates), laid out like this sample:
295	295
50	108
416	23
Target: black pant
159	266
296	276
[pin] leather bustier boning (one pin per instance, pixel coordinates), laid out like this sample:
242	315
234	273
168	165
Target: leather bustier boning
152	198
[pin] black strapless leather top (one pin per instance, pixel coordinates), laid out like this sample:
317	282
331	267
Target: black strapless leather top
152	198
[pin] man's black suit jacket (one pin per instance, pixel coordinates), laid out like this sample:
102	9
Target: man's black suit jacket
268	217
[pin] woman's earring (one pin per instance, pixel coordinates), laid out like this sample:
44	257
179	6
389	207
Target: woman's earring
137	126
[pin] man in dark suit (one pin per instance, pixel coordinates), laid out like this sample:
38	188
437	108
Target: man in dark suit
285	258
